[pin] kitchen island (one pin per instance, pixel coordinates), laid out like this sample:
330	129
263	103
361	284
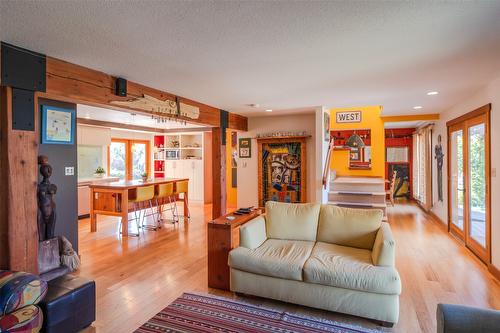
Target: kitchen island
112	198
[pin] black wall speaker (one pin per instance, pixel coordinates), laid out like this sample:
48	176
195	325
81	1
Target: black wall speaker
121	87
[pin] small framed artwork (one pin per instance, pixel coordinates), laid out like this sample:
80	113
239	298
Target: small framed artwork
245	148
58	125
354	154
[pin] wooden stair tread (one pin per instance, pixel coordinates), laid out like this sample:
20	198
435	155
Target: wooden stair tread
357	193
358	204
358	180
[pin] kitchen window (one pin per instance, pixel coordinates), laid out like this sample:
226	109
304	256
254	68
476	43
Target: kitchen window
128	159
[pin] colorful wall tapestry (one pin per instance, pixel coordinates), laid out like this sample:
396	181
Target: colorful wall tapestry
281	172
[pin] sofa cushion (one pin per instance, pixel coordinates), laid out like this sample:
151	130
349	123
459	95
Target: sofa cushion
275	257
253	233
24	320
349	227
19	289
349	268
292	221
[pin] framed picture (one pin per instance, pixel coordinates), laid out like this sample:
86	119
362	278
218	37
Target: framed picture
326	124
281	170
354	154
58	125
245	148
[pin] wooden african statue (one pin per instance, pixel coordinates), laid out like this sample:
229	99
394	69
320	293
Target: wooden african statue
46	205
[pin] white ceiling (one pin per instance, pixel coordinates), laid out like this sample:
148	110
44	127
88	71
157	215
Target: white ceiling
282	55
95	113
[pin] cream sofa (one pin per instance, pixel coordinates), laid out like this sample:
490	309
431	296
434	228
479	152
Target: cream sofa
322	256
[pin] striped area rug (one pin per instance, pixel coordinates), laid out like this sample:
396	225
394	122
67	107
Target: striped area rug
206	313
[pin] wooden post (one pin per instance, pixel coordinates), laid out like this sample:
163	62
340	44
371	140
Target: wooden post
4	230
19	170
218	174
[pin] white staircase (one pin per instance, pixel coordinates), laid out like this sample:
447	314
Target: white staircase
358	192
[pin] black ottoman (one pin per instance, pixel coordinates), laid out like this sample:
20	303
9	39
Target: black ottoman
69	305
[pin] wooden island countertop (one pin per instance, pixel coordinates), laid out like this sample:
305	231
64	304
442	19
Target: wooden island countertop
131	184
109	198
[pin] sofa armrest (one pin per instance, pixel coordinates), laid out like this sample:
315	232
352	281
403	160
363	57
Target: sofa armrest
461	319
384	248
253	233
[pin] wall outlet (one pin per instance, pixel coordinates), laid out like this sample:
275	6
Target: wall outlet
69	171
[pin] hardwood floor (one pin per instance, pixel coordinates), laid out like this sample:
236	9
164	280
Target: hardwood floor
137	277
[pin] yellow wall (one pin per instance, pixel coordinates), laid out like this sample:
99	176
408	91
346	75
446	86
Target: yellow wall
370	119
231	198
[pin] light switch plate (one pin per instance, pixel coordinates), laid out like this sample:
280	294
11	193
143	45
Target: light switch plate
493	172
69	171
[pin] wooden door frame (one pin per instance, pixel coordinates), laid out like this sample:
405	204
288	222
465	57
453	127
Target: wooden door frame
451	227
478	116
128	155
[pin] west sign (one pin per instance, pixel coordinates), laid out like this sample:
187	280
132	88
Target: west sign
348	117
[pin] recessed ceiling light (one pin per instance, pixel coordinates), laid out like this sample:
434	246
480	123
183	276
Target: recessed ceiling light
418	107
87	116
432	93
269	110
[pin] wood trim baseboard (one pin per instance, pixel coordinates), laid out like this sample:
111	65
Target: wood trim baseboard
437	219
494	271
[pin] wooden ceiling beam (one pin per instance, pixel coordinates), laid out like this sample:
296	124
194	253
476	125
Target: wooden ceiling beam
78	84
110	124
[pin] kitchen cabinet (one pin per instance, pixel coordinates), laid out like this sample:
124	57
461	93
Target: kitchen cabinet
188	161
84	193
193	169
83	200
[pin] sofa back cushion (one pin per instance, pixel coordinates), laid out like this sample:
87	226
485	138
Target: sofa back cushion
292	221
349	227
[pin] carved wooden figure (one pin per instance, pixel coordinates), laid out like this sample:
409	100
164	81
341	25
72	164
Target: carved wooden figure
46	205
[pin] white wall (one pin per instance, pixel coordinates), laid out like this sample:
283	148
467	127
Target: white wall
321	194
489	94
132	135
247	167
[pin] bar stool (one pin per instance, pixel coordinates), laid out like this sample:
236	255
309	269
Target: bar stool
148	194
181	187
143	194
165	192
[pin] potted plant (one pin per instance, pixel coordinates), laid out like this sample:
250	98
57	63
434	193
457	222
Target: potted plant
144	176
99	172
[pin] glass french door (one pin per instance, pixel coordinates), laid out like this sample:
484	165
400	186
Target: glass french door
139	158
469	183
457	181
117	159
128	159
